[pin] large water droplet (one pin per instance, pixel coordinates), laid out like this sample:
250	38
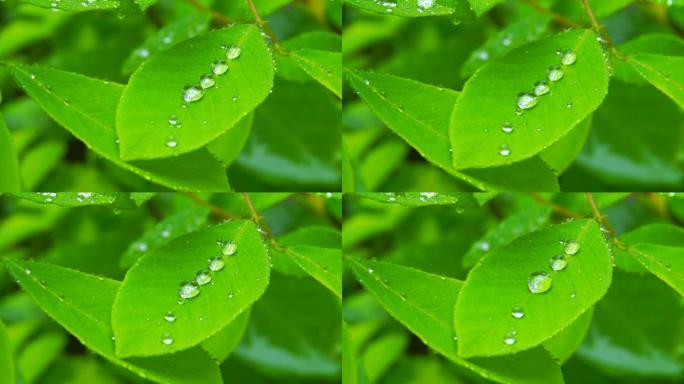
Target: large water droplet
216	263
518	312
555	74
572	247
192	93
539	282
207	81
504	150
167	339
526	101
188	290
203	278
541	88
219	67
510	338
507	127
558	263
229	248
233	52
426	4
568	58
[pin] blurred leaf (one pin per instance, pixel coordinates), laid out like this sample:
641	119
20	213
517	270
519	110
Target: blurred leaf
566	342
6	359
460	200
75	5
41	352
10	178
224	342
227	147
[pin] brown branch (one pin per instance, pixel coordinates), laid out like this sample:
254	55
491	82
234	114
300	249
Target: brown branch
259	220
556	208
560	19
214	15
216	211
603	222
260	22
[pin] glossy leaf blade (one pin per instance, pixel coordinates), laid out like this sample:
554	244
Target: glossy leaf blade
222	344
9	164
409	295
177	124
82	304
664	72
75	5
324	66
323	264
667	263
563	345
86	108
151	290
461	200
491	126
501	284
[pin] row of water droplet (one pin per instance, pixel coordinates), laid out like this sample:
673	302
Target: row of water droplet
195	92
540	282
390	6
191	289
528	100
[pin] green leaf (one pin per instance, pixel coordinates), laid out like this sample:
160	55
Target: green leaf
316	40
667	263
419	114
40	161
323	264
73	199
147	133
9	179
227	147
186	220
69	99
75	5
223	343
561	154
458	9
657	43
518	33
565	343
664	72
151	287
490	98
461	200
382	353
82	304
6	360
350	370
651	234
144	4
409	295
37	356
483	316
185	27
324	66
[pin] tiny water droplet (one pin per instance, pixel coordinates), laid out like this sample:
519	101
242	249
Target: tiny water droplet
167	339
571	247
518	312
207	81
203	278
573	295
27	270
555	74
504	150
539	282
216	263
510	338
192	93
484	245
507	127
568	105
229	248
370	270
171	142
483	55
558	263
170	317
526	101
568	58
426	4
233	52
188	290
219	67
541	88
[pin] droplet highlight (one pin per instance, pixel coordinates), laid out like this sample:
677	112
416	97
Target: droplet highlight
539	282
558	263
188	290
518	312
571	247
527	101
216	263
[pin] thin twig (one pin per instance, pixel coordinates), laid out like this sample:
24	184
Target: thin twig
216	211
260	22
556	208
560	19
601	30
259	220
603	221
214	15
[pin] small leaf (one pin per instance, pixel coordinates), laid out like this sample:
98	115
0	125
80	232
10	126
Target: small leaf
656	234
183	120
350	370
82	304
150	291
223	343
458	9
324	66
227	147
499	312
409	295
657	43
6	360
323	264
667	263
561	154
497	121
564	344
144	4
39	353
75	5
9	178
461	200
86	108
664	72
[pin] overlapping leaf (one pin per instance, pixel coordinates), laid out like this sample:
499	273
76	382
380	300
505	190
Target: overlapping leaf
6	359
10	178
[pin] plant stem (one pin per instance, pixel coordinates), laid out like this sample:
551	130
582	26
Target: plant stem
260	22
601	30
216	211
259	220
556	208
560	19
603	221
214	15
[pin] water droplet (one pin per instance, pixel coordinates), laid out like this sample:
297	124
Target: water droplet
188	290
370	270
144	53
483	55
555	74
509	339
507	127
568	58
426	4
216	263
142	247
167	339
235	98
173	120
233	52
203	277
541	88
539	282
192	93
483	245
568	105
171	142
573	295
170	317
207	81
504	150
518	312
558	263
230	295
526	101
229	248
219	67
507	41
572	247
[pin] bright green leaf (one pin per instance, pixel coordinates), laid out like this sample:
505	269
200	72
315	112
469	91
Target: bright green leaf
565	343
223	343
6	360
460	200
151	290
502	282
178	125
488	126
37	356
82	304
561	154
227	147
9	178
324	66
656	43
664	72
75	5
667	263
323	264
458	9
